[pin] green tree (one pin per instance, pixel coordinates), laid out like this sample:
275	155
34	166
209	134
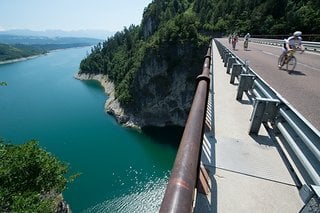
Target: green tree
31	179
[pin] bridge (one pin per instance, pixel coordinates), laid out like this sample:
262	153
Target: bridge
245	147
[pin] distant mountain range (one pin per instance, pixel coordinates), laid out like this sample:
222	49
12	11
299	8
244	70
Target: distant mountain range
44	40
17	44
98	34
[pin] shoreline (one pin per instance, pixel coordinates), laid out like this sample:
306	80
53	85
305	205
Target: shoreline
112	105
10	61
20	59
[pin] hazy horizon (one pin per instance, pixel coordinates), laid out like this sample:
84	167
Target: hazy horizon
99	34
71	15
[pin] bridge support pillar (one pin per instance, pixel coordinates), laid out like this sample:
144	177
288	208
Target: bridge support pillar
236	71
264	110
230	63
246	83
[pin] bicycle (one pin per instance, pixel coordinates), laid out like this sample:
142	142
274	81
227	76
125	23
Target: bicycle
289	60
245	45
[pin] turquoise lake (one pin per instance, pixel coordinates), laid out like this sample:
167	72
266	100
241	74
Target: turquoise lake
122	170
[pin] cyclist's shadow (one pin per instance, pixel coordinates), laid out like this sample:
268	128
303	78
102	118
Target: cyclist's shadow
294	72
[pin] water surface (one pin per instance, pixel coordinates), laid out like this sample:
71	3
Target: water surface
122	170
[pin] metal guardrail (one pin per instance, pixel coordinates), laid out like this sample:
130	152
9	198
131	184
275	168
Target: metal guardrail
269	107
180	190
309	46
302	140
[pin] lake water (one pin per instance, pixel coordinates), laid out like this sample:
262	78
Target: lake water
122	170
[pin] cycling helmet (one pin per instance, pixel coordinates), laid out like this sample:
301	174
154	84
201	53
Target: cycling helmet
297	33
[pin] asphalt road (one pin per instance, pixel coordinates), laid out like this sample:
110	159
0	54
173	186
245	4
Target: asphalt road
301	88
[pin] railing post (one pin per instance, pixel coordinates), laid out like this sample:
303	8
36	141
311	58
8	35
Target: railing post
264	110
231	61
220	49
246	82
236	71
223	52
311	199
226	58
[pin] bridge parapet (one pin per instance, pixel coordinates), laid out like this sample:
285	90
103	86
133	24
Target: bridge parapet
179	194
296	139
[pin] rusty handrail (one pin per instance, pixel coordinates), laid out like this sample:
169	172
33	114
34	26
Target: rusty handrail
179	193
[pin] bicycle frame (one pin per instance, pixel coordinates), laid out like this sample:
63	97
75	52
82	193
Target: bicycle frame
290	53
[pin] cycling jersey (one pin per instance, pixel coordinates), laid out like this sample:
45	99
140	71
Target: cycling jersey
293	43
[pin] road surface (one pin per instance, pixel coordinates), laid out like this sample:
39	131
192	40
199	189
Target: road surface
301	88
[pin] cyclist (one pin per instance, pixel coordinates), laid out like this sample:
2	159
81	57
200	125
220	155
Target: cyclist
292	43
234	41
246	41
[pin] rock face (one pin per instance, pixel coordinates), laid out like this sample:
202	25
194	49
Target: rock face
149	26
154	66
63	207
162	89
112	106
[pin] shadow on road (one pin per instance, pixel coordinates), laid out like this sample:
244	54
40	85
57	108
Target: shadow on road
296	72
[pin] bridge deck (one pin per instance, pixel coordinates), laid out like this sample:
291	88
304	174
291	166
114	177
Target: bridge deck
247	173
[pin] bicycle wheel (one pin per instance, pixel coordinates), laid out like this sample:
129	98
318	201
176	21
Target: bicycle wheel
292	62
245	45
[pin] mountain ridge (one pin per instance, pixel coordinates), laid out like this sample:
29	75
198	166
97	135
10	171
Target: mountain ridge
98	34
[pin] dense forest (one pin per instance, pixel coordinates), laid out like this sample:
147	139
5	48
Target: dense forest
259	17
172	23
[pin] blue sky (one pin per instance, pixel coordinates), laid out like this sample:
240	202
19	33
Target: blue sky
39	15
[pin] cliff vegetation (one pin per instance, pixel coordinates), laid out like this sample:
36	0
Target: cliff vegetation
31	179
154	65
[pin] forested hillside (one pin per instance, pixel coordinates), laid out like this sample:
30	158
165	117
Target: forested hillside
259	17
166	25
173	37
9	52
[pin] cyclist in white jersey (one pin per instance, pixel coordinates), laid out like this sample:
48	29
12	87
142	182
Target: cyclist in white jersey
247	36
293	42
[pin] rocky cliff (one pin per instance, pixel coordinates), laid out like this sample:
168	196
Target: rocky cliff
162	88
152	67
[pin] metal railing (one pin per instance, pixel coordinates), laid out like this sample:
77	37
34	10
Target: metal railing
180	190
268	108
301	139
309	46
